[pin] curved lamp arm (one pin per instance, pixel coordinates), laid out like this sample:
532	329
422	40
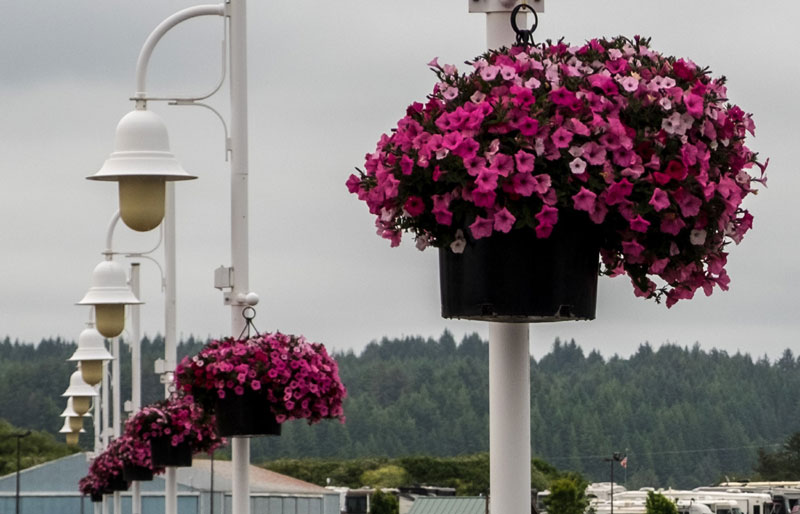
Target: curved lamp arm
155	36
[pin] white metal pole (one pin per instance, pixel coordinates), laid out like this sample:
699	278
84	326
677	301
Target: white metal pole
136	372
104	421
106	418
116	382
239	222
170	331
509	375
98	507
509	418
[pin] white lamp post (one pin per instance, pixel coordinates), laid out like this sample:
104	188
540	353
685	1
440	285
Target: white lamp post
91	353
509	352
109	294
142	163
80	393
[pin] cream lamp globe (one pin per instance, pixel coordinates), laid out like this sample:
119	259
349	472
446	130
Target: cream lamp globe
91	353
142	163
109	293
71	435
80	392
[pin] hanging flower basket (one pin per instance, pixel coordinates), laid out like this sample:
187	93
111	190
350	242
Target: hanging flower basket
164	453
245	415
105	473
288	377
646	146
174	429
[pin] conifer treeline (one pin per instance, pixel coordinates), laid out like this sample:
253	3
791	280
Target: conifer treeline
683	416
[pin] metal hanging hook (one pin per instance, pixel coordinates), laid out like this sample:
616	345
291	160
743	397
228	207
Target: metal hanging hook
524	36
248	313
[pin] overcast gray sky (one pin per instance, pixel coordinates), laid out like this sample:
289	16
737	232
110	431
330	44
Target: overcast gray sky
326	80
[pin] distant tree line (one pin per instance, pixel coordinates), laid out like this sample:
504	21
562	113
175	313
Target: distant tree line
683	416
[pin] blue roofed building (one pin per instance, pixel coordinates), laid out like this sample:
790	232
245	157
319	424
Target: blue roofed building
52	488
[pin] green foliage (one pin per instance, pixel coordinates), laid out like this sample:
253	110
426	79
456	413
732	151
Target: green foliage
429	397
657	503
468	474
780	465
384	503
35	448
566	497
387	476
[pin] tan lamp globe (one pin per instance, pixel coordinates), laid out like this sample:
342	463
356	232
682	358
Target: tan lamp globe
71	434
80	392
109	294
142	163
91	353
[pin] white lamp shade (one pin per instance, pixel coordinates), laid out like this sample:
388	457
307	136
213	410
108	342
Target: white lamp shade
141	149
69	411
91	346
79	388
109	286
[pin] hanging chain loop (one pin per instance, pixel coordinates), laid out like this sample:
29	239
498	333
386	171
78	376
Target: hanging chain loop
248	313
524	36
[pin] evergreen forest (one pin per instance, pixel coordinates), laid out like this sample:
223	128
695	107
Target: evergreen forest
683	416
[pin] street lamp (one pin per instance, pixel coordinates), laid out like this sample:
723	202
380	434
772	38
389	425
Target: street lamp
141	163
72	419
616	457
69	430
109	293
91	353
19	437
80	393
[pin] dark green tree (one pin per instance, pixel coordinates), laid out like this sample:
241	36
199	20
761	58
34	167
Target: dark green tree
780	465
566	497
657	503
384	503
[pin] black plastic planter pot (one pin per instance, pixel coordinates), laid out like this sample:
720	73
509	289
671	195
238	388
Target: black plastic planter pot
118	483
164	454
245	415
140	473
517	277
96	497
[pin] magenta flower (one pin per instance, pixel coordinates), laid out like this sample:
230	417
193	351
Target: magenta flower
584	200
504	221
481	227
414	206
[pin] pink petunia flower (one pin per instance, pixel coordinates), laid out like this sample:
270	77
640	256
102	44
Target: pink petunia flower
481	227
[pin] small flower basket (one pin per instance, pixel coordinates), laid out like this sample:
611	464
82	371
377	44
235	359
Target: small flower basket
136	460
105	474
253	385
644	148
174	429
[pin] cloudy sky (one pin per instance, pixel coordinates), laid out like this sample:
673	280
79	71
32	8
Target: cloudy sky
326	80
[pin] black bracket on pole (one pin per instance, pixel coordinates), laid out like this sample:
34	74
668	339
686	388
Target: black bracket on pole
524	36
